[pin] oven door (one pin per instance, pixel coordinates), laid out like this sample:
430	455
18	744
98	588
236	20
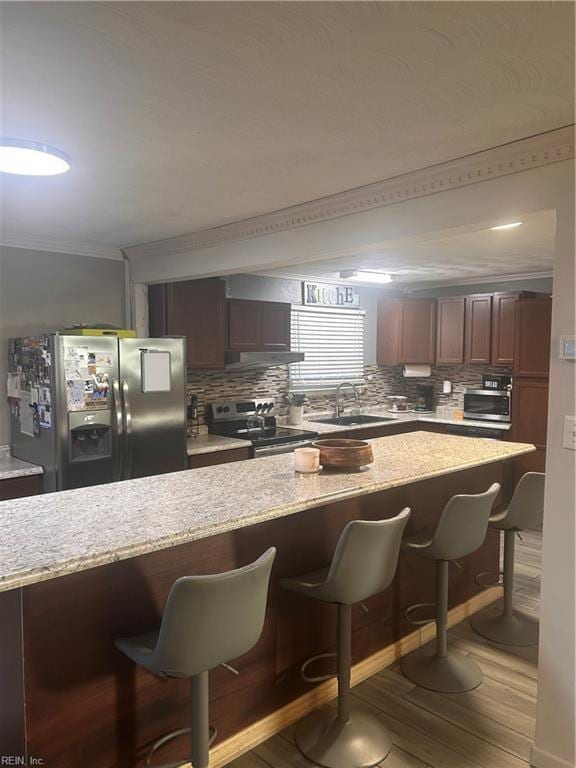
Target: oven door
487	406
275	450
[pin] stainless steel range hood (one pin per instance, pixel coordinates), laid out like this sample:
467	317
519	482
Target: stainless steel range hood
242	360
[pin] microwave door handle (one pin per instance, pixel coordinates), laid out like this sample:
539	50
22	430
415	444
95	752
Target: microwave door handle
118	430
127	470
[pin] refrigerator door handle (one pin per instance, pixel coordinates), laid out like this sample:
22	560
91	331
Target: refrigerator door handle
118	429
127	473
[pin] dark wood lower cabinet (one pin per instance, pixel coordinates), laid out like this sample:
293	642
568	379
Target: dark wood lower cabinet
218	457
17	487
76	701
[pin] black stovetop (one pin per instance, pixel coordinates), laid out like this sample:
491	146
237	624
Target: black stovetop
271	435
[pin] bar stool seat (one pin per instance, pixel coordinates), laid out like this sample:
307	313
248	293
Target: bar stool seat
208	621
511	627
461	530
364	563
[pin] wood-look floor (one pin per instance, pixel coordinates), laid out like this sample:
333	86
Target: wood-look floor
491	727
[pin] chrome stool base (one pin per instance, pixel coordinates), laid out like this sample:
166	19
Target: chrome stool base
328	741
453	673
517	629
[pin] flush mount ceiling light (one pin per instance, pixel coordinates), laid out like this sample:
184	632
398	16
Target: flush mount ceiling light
361	276
31	158
512	225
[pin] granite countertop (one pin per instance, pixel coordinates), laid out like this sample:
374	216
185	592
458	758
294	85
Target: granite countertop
210	443
391	419
11	468
44	537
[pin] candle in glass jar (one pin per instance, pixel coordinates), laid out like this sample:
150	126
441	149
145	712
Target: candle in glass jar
306	460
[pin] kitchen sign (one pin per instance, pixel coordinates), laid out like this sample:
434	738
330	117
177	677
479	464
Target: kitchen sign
330	295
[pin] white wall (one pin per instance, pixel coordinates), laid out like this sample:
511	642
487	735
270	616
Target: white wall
548	187
555	720
42	291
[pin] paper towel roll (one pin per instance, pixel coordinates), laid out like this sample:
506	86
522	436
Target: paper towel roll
417	371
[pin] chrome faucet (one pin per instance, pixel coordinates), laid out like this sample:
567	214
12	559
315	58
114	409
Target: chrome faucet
339	408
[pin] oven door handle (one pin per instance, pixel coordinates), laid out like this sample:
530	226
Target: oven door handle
270	450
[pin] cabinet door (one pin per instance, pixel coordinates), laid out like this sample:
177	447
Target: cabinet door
530	411
532	337
275	326
450	330
244	325
417	331
478	328
196	309
503	325
387	332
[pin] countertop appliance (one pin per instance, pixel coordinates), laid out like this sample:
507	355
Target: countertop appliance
424	398
496	382
255	420
487	404
97	409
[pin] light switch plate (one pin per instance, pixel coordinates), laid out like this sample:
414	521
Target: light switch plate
569	440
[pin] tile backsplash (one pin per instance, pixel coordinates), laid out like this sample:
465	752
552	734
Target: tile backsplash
211	386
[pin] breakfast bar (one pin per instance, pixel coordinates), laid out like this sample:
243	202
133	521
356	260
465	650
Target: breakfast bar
80	568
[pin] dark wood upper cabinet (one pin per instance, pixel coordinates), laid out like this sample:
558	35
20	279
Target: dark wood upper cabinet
275	326
406	331
532	338
417	331
258	326
503	328
243	325
387	347
478	329
450	330
195	309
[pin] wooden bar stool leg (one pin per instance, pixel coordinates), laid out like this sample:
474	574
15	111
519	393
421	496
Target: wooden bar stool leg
509	627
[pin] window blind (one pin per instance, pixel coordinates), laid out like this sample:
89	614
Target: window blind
332	340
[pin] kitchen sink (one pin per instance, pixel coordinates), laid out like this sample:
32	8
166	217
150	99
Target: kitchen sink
349	421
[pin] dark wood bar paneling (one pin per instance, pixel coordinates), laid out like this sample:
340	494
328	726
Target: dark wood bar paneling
87	705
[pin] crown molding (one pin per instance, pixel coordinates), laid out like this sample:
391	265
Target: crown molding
533	152
56	245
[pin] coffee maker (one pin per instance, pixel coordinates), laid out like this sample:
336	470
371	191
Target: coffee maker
424	398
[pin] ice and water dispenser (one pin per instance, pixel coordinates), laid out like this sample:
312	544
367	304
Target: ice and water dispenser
89	435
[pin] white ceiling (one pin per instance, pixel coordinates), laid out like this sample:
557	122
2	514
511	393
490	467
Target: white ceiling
185	115
451	256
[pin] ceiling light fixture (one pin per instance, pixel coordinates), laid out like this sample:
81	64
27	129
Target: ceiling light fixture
31	158
361	276
512	225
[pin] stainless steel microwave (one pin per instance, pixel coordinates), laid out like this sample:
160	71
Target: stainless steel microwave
487	405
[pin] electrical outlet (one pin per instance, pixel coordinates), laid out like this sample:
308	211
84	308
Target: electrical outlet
569	440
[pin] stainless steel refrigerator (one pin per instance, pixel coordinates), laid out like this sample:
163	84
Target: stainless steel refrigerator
96	409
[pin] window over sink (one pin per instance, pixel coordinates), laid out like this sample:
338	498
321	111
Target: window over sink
332	340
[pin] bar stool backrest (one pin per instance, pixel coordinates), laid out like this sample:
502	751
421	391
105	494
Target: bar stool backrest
463	524
527	506
212	619
365	559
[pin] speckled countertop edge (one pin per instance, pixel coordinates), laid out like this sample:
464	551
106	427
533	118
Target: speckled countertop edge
11	468
256	489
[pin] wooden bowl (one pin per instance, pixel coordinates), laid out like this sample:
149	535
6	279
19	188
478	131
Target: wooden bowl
339	453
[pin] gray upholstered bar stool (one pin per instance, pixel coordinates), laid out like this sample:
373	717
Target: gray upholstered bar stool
207	621
525	512
461	530
364	563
